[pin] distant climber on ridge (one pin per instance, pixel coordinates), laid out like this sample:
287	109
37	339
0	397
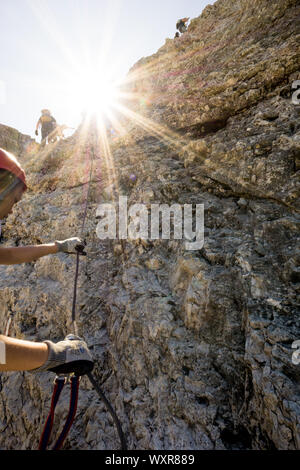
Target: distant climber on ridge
181	26
17	354
47	123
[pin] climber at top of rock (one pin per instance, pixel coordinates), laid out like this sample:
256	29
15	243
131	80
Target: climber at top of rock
176	35
181	26
47	123
18	354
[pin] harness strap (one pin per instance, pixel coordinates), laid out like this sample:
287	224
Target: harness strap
59	383
72	412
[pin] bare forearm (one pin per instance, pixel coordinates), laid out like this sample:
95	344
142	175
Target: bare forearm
22	355
26	254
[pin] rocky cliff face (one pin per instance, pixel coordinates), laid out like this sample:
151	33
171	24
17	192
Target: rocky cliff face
14	141
193	347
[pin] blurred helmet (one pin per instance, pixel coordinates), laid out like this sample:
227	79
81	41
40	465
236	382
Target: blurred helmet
9	162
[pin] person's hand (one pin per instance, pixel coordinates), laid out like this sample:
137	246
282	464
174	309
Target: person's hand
69	355
71	245
36	132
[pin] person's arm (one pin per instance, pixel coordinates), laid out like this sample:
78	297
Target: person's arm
38	124
26	254
17	354
70	355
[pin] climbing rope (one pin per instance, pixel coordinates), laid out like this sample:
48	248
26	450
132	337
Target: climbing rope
78	252
89	374
110	409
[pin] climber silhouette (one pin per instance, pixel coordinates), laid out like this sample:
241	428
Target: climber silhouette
16	354
47	123
181	26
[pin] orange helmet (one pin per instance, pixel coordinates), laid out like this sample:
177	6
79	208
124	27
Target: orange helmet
10	163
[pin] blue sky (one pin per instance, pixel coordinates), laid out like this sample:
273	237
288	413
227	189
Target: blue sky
46	43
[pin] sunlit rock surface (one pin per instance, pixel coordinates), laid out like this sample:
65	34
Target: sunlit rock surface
193	347
14	141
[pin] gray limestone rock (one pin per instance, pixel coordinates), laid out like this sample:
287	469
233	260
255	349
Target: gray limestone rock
193	347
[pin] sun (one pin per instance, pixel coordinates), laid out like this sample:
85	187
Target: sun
94	91
96	94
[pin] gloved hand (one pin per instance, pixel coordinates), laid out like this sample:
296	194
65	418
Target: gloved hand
69	355
71	245
36	132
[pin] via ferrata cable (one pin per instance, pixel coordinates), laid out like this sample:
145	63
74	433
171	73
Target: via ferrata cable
90	376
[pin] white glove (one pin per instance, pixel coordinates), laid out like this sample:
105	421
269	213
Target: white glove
69	355
69	245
